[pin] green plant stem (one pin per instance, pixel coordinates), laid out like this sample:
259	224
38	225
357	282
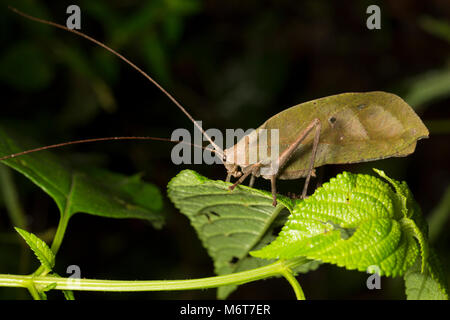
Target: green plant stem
274	269
32	289
287	274
60	231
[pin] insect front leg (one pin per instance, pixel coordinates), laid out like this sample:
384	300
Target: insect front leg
252	171
273	187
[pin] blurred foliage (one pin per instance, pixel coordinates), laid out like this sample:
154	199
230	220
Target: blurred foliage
427	87
434	84
233	64
436	27
29	76
439	216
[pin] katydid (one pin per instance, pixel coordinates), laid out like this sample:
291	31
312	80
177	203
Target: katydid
348	128
344	128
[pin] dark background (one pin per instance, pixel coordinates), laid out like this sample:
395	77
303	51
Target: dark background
233	64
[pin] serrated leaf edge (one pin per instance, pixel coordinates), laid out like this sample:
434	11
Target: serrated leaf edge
44	254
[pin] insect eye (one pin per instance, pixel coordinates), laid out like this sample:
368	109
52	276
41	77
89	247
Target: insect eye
332	120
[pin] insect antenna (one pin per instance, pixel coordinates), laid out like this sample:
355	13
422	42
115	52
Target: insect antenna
218	150
63	144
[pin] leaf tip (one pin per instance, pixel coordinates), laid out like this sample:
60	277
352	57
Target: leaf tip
21	232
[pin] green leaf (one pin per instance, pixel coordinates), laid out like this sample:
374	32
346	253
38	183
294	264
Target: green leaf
95	192
430	285
412	215
40	249
229	223
311	265
43	295
354	221
68	295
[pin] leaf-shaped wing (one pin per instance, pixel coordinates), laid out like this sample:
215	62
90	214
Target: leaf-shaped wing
356	127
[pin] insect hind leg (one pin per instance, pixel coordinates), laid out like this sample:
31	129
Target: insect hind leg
313	157
284	157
